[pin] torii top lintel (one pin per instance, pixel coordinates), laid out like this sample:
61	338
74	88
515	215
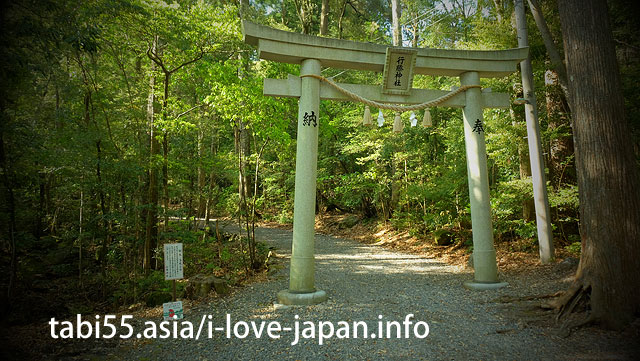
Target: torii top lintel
288	47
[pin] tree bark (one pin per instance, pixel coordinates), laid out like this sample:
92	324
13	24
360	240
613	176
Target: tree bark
538	179
80	220
212	178
243	147
528	207
151	214
165	179
202	199
556	60
157	59
396	12
151	233
324	18
165	152
305	14
395	183
283	15
608	275
561	168
414	29
105	225
343	9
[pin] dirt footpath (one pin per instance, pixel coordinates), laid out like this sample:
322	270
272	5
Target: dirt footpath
379	286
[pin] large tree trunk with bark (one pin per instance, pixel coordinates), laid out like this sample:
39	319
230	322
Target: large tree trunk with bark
608	277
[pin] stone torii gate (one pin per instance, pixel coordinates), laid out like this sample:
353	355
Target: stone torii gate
312	53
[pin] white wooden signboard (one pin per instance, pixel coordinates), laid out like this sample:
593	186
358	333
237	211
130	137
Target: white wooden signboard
398	71
173	261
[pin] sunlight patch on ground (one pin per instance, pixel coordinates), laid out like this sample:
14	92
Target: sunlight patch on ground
372	256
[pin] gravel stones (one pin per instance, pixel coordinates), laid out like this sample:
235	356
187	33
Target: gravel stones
371	284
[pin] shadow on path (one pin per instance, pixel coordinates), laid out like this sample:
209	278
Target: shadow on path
376	286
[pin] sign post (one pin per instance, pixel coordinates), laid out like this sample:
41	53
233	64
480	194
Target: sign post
172	311
173	270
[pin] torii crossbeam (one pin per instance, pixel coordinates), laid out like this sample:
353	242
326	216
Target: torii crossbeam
312	53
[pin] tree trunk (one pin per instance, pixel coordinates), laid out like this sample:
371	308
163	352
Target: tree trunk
341	18
151	218
538	179
414	29
283	12
324	18
255	263
212	179
165	179
165	151
561	168
395	183
608	276
156	58
105	225
556	60
244	150
151	233
528	207
202	199
396	12
80	220
305	14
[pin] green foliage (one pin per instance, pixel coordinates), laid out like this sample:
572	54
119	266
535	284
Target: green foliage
77	101
574	248
565	199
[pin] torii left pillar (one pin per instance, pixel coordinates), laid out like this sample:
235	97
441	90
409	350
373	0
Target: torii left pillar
302	289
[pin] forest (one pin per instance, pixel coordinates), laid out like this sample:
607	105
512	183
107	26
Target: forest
128	124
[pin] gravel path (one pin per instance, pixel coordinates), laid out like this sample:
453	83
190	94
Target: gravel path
364	282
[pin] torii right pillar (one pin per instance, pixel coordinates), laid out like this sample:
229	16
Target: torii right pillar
484	254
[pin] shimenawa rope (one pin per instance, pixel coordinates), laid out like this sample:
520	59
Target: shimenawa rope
397	108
